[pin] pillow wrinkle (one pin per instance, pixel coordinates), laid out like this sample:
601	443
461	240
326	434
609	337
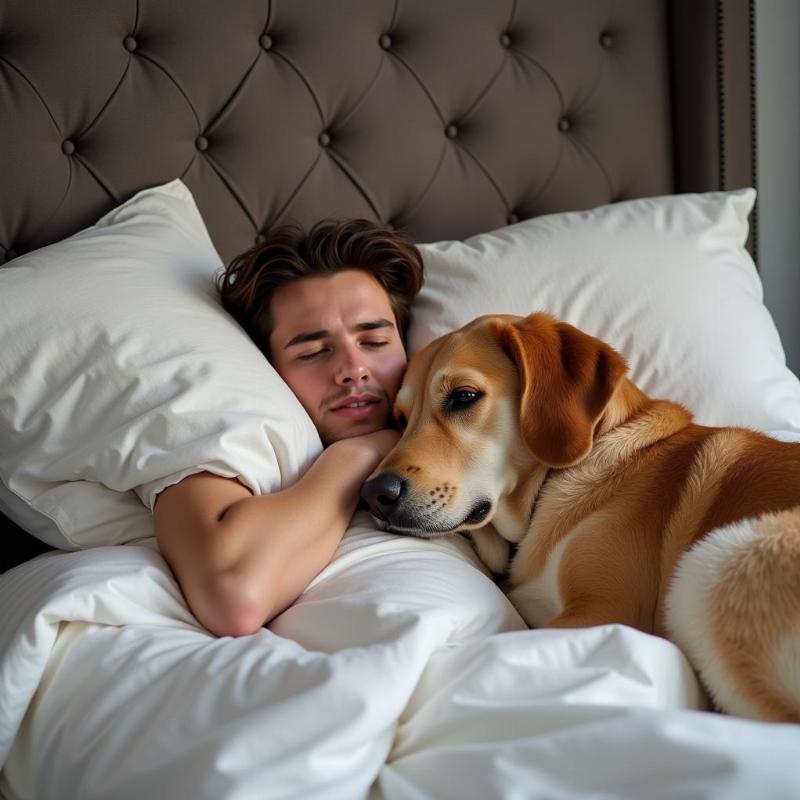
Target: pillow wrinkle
665	280
126	375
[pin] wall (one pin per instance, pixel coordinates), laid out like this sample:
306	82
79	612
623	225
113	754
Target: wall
778	136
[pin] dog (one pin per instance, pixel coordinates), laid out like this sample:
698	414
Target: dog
526	434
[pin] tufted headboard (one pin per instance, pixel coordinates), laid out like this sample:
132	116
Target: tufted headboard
443	117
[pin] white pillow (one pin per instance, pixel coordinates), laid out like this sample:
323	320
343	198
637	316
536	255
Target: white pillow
120	374
665	280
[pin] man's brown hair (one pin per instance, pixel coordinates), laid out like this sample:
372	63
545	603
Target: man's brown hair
290	253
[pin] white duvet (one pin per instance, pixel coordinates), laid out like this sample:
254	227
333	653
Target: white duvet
402	672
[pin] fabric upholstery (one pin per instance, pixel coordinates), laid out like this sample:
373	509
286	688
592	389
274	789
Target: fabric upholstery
445	118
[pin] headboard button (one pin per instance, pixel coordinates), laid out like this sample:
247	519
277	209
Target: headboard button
265	40
259	238
505	40
324	139
201	143
512	218
10	253
67	147
606	40
451	131
564	125
129	43
385	41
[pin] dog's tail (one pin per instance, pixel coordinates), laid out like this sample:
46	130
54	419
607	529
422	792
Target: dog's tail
734	608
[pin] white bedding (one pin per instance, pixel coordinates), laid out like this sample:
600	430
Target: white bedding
402	672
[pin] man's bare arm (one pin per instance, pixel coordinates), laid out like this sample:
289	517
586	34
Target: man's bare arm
242	559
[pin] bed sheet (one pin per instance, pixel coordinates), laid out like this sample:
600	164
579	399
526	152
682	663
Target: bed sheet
402	672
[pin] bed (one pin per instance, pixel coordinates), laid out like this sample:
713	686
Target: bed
146	143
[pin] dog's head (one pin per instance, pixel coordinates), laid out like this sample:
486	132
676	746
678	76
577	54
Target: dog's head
483	407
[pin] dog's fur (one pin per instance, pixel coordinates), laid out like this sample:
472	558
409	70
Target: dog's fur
526	431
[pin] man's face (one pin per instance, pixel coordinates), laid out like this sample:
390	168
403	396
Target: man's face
336	344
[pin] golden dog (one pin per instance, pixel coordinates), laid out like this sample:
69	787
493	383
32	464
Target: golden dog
526	431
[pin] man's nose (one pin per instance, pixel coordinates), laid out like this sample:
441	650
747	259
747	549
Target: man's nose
351	370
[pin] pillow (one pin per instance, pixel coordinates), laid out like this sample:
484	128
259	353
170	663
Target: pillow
120	374
665	280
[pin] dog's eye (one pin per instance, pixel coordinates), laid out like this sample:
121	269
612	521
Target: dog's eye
460	399
401	421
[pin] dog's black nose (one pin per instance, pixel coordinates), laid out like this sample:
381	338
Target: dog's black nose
382	493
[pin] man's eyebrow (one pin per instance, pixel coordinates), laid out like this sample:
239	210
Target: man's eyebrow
309	336
374	324
312	336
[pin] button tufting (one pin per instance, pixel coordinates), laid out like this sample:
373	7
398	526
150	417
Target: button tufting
10	253
260	238
505	40
385	41
324	139
201	143
606	40
512	218
451	131
129	43
265	40
67	147
389	225
564	125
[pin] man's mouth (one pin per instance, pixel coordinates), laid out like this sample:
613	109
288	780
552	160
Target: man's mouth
356	407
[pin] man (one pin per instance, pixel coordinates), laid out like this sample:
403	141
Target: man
329	309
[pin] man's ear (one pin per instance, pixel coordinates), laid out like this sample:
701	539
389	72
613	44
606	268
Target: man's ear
567	379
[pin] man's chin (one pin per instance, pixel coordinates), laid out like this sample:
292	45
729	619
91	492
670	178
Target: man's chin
360	428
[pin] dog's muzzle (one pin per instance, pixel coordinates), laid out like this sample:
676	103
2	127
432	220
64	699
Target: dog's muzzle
391	500
384	494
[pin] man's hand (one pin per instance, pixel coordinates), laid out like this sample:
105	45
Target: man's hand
369	449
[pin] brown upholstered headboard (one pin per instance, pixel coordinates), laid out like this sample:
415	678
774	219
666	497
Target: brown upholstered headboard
443	117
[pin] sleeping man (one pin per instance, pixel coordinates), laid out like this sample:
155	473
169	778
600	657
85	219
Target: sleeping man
328	308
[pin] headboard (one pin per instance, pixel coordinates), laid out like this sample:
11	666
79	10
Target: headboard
442	117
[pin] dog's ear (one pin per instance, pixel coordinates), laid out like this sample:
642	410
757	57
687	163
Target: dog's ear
567	379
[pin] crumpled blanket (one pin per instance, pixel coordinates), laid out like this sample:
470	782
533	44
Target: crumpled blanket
402	672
